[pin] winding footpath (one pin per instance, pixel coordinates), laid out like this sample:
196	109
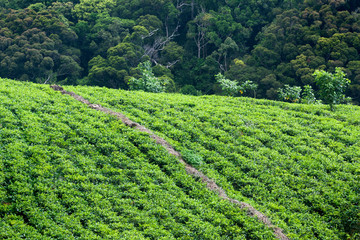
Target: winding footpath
189	169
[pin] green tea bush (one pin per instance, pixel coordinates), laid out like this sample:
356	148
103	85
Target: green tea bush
192	158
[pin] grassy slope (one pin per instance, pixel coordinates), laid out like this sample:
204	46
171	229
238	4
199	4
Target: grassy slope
69	172
299	164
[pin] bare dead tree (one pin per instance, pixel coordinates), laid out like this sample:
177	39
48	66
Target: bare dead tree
152	51
192	9
181	4
150	34
158	45
49	78
170	64
200	38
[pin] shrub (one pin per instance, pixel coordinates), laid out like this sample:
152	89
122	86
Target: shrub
229	87
308	95
290	94
192	158
332	86
190	90
148	82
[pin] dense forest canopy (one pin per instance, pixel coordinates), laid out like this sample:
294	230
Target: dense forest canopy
101	42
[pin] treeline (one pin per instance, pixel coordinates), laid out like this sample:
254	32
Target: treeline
101	42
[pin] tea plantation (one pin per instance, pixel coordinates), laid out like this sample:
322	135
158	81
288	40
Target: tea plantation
297	163
70	172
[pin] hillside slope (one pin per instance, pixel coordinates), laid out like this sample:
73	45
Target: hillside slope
70	172
299	164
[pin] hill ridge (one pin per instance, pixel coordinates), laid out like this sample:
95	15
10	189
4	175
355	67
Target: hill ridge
210	184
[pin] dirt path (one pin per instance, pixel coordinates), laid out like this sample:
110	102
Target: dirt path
189	169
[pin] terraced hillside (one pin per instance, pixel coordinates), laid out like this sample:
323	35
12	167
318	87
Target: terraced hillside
70	172
299	164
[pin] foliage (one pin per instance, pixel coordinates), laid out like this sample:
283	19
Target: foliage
36	49
192	158
250	86
189	90
229	87
290	94
114	70
148	82
297	163
332	86
308	96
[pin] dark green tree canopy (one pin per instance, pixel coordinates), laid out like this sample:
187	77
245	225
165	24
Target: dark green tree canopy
101	42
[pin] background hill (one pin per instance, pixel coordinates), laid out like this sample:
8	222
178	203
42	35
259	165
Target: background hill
69	171
271	43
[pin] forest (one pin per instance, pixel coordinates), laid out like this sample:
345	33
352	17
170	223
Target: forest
272	43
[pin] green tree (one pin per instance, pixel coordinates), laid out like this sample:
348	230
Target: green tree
229	87
221	55
331	86
250	86
38	45
88	10
308	95
171	54
266	57
148	82
199	30
104	72
290	94
190	90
